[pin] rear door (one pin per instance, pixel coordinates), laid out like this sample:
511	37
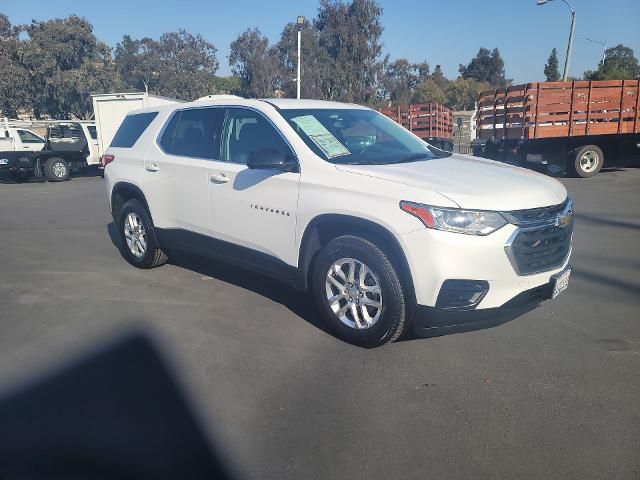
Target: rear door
253	208
175	174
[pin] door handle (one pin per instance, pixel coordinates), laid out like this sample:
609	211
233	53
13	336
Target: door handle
220	178
152	167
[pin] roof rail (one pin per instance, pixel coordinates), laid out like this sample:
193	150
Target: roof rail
218	97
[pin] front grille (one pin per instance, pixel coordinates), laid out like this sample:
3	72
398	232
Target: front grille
537	215
538	249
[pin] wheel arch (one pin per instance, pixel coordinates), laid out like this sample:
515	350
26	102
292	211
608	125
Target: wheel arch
121	193
326	227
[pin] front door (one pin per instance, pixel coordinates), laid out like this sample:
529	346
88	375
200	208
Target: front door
253	208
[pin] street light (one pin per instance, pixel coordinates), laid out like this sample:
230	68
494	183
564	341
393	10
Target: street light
604	48
567	59
300	22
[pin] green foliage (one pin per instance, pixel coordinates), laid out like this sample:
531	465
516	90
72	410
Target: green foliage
179	64
399	81
486	66
316	68
430	91
13	75
620	64
229	85
551	72
462	93
65	63
350	34
256	64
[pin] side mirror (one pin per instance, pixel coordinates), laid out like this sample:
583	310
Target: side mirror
271	159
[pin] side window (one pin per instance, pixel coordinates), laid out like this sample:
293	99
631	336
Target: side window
93	132
246	131
28	137
131	128
194	133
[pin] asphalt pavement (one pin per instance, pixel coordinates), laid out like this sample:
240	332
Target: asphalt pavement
552	394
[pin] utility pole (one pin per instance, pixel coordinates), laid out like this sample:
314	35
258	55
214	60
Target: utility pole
567	60
300	23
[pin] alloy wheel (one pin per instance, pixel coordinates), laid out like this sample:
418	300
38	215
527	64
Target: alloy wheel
135	235
354	293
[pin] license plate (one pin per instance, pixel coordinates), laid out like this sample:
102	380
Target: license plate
560	282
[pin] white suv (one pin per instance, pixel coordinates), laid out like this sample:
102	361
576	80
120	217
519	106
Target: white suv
385	230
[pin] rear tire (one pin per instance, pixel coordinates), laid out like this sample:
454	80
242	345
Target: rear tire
587	161
138	242
381	317
56	169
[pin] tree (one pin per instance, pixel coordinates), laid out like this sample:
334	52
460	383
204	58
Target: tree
179	64
316	66
13	76
65	63
256	64
620	64
399	81
430	91
438	77
551	72
229	85
487	67
350	34
462	93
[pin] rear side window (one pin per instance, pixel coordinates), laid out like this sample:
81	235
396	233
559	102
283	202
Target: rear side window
65	130
93	132
131	128
194	133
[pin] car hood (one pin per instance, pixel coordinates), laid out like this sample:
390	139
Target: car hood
472	183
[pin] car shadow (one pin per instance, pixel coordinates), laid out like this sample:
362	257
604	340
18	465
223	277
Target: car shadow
302	304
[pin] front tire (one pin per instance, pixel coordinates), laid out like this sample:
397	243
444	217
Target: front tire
138	241
56	169
587	161
359	293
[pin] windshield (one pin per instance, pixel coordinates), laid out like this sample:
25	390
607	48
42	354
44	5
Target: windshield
357	136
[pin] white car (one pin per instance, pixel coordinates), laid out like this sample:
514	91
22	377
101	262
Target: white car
14	139
386	231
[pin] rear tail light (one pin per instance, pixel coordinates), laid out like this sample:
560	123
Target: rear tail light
107	159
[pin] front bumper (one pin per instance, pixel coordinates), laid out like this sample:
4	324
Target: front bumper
431	321
435	256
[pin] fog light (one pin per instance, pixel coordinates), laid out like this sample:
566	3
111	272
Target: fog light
461	294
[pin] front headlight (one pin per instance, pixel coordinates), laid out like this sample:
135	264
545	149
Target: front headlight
469	222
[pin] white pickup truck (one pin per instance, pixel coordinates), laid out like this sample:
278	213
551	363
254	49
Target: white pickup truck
15	139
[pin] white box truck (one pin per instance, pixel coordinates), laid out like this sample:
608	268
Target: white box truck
111	108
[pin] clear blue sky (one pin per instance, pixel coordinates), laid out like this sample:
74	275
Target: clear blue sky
439	31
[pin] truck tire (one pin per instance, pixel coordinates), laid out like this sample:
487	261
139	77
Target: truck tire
359	293
138	242
56	169
587	161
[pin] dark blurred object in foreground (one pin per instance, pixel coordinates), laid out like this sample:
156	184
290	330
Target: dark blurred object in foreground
115	414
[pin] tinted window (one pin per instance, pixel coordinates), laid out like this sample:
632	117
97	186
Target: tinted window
28	137
246	131
65	130
131	128
194	133
92	131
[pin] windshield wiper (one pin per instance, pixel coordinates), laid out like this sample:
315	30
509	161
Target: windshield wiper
414	157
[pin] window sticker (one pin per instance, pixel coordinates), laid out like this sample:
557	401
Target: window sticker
322	137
